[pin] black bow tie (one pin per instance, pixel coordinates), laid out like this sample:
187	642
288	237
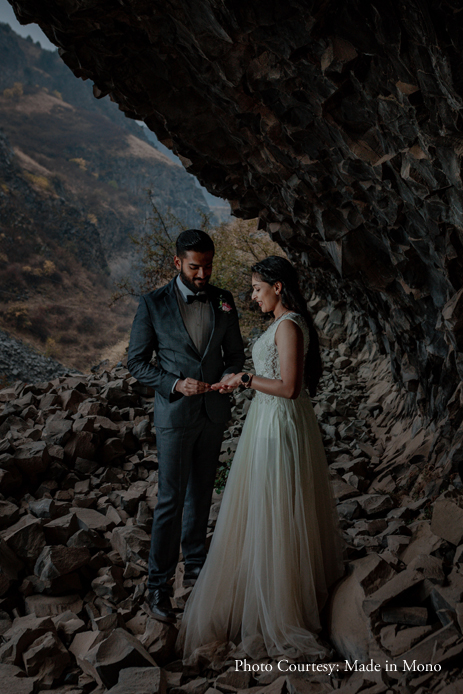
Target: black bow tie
196	297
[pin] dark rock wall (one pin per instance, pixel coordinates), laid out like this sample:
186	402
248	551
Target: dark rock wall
338	124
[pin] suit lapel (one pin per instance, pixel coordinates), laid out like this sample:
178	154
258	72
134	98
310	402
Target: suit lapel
177	320
214	323
215	316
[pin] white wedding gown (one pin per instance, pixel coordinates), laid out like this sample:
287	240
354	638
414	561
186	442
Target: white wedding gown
276	548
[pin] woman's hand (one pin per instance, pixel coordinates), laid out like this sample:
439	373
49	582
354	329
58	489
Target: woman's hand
290	345
228	384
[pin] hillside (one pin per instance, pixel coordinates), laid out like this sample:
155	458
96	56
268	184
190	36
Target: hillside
54	279
74	176
101	157
105	169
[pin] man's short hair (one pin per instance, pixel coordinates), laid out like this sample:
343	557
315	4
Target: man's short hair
194	240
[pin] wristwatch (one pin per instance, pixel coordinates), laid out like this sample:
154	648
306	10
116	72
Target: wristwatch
246	380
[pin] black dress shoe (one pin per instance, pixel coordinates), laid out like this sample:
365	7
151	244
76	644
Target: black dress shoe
158	605
191	575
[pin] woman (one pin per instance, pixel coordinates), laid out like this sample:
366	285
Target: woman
276	549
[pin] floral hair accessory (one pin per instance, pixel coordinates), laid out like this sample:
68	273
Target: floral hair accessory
224	305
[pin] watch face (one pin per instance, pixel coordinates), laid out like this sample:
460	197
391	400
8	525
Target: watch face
245	378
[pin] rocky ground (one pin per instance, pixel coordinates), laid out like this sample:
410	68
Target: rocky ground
18	361
78	483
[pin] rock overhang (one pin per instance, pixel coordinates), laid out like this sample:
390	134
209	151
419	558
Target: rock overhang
337	124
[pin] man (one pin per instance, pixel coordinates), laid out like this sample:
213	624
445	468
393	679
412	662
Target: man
193	328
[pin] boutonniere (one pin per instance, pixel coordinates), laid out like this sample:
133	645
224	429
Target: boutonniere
224	305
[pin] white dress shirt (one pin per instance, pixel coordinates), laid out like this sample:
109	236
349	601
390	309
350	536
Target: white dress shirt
197	317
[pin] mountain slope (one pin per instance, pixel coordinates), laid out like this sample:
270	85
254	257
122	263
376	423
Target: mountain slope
74	176
101	157
105	168
54	278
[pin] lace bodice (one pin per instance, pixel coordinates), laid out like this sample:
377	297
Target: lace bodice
265	354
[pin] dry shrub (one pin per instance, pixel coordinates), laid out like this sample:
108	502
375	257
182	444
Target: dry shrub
49	268
81	163
51	348
41	182
61	258
39	323
14	92
12	277
68	339
37	274
18	316
64	312
87	324
65	323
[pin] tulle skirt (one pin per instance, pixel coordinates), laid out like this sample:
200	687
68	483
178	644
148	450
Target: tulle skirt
276	548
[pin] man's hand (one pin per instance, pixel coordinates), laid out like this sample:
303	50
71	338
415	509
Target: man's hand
190	386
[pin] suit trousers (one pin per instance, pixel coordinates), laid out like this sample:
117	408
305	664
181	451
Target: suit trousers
187	459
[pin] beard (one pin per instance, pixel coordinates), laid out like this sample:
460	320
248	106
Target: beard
190	285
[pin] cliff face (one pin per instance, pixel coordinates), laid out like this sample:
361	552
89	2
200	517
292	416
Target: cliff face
339	124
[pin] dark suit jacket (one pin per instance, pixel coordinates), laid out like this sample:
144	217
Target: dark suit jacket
158	326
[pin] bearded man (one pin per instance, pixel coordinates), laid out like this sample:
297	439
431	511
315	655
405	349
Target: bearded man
193	328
